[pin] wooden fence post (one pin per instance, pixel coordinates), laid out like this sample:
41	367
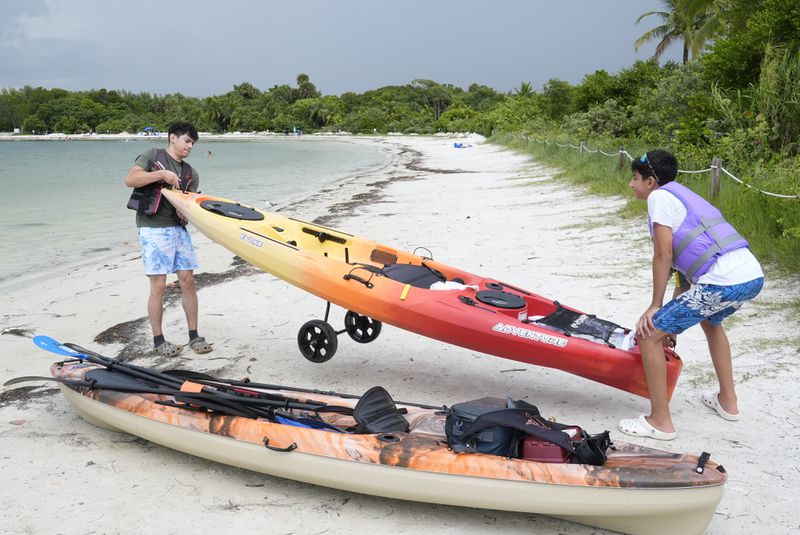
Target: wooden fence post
621	164
716	164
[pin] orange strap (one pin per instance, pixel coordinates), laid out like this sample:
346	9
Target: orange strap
189	386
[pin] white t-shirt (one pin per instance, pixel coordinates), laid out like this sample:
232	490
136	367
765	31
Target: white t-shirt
731	268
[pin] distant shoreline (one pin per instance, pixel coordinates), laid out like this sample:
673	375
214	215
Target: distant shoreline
230	136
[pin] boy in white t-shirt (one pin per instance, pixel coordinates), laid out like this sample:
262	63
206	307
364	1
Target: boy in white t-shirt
691	236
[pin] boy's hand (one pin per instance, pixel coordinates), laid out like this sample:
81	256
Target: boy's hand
645	327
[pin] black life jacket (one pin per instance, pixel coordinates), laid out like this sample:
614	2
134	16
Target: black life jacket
146	199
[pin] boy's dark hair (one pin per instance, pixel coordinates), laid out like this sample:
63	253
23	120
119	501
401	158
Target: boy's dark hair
183	127
659	164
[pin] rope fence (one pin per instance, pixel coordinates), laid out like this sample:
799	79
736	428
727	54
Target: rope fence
715	168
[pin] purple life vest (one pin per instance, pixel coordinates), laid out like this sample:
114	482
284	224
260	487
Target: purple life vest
146	200
703	236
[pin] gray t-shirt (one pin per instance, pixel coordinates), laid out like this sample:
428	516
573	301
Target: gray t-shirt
166	216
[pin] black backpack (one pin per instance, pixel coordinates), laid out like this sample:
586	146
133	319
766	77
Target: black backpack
496	426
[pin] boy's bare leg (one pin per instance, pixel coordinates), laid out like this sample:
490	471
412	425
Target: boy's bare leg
655	372
720	350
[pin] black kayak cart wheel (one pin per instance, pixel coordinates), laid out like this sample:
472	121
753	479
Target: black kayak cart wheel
360	328
317	341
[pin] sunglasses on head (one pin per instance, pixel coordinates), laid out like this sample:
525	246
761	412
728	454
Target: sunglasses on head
644	159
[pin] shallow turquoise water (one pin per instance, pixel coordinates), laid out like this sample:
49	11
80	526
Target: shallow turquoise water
63	202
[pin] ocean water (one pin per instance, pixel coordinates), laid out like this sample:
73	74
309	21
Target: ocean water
63	203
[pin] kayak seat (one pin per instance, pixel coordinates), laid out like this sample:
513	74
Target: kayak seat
376	412
417	276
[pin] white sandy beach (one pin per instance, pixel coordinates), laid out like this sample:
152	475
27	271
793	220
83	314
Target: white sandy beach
493	212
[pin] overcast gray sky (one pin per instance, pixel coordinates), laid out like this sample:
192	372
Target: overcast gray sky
204	47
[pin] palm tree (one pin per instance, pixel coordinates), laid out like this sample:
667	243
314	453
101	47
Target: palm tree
695	22
525	89
708	22
217	112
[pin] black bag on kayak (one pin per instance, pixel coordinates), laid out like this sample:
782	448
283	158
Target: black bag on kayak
498	427
496	440
591	449
570	322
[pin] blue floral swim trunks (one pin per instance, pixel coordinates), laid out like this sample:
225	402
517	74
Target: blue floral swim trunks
166	250
705	301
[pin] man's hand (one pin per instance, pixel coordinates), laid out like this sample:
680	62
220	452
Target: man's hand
170	178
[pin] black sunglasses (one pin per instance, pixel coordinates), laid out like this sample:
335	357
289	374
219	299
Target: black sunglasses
644	159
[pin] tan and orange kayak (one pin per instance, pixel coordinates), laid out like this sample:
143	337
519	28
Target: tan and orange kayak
378	283
637	489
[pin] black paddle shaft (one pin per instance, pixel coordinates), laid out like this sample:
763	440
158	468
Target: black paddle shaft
175	383
213	381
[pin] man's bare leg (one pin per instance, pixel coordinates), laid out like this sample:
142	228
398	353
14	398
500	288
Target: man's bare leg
189	297
155	303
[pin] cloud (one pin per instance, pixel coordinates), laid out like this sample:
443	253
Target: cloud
204	47
12	27
45	19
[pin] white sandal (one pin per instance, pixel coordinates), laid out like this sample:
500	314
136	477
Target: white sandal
640	427
711	400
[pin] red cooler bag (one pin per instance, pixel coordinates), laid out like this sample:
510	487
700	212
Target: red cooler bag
542	451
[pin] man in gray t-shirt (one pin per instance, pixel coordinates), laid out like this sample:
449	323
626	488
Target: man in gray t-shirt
167	215
166	244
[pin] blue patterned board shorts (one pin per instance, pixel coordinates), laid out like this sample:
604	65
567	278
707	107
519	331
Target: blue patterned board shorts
166	250
705	302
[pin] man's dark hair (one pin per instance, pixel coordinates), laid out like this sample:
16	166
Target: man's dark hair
182	127
659	164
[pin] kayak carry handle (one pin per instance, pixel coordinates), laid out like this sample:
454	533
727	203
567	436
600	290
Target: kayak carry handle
365	282
290	447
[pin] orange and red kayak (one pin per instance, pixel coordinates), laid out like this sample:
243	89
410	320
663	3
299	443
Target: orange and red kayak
378	283
636	490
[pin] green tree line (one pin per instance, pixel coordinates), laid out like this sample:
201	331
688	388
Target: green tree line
735	95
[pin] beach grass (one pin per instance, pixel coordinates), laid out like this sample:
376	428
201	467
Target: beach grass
765	221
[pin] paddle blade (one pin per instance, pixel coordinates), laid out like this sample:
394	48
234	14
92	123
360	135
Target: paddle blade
54	346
